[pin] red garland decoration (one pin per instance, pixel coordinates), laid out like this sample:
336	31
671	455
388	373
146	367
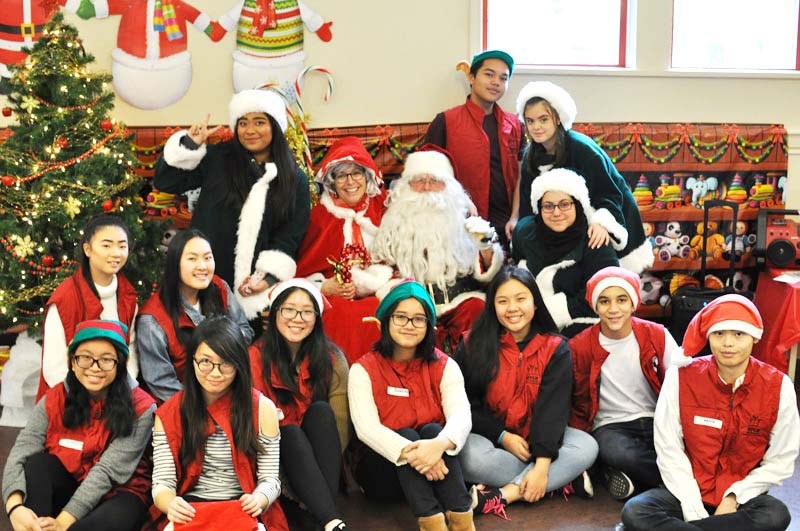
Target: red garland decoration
351	254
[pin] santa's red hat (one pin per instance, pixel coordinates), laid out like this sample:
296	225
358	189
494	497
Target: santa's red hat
613	276
430	159
729	312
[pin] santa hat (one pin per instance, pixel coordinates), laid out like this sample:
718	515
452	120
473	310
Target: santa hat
557	97
613	276
108	329
349	149
561	180
729	312
313	291
257	100
431	159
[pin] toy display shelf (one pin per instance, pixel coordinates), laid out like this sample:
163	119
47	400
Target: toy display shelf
691	213
693	264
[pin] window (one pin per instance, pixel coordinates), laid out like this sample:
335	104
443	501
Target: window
735	34
558	32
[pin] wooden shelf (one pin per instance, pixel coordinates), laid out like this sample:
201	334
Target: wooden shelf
651	311
690	213
678	264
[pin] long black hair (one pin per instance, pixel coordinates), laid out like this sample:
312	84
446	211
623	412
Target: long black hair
535	154
385	345
118	412
480	359
239	164
94	224
169	292
222	336
316	347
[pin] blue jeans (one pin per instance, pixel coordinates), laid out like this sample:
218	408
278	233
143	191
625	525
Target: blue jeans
659	509
482	462
628	446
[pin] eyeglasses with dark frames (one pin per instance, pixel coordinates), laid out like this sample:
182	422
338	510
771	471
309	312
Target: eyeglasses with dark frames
206	366
290	313
563	206
417	321
104	364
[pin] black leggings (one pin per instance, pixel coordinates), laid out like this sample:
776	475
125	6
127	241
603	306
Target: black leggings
311	455
50	487
383	480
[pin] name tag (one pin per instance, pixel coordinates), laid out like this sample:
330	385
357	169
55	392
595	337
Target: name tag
72	444
397	391
705	421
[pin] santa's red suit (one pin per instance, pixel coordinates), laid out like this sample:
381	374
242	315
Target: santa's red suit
151	65
21	24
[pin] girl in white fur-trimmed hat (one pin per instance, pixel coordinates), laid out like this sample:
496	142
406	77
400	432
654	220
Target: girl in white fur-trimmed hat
254	200
548	112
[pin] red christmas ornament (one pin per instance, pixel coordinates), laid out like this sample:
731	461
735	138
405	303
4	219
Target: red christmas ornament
7	111
62	142
108	205
47	260
8	180
106	125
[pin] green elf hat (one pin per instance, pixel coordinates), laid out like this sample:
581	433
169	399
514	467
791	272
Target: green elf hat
494	54
407	289
110	330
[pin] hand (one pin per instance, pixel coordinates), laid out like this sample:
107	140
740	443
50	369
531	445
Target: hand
471	208
250	286
437	472
598	236
254	504
727	505
512	222
533	485
50	524
516	446
179	511
425	454
324	32
23	519
215	31
199	133
330	288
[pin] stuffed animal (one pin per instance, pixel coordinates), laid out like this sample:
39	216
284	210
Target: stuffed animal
651	289
715	242
739	244
702	188
742	281
671	242
649	232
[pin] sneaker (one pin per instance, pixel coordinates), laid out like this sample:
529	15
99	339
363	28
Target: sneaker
618	483
581	486
486	501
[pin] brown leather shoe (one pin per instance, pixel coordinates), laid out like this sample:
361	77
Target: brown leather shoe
434	522
460	521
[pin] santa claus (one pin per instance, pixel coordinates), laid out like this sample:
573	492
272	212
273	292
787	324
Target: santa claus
426	235
334	254
21	25
151	65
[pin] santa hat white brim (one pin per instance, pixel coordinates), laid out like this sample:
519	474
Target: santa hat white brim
618	282
739	326
557	97
430	162
301	283
257	100
561	180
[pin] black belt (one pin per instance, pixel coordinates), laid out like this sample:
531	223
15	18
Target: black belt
462	285
26	30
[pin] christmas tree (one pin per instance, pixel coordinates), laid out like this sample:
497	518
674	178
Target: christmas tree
65	162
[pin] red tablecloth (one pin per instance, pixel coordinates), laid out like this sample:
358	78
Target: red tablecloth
779	304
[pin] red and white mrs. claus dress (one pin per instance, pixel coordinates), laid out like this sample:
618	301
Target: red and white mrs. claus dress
333	225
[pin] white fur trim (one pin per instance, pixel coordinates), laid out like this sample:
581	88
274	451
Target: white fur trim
257	100
618	282
302	283
557	97
387	287
559	311
369	280
638	259
442	309
317	279
546	276
247	234
276	263
349	215
606	219
739	326
181	157
497	262
561	180
202	21
432	162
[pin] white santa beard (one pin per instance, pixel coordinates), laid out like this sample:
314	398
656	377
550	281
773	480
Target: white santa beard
423	235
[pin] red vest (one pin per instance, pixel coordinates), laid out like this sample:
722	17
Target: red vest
512	394
177	352
294	412
76	302
407	394
720	456
588	357
95	438
245	467
469	146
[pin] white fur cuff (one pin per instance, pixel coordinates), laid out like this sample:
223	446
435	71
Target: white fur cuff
387	287
497	262
276	263
369	280
638	259
253	304
181	157
557	306
317	279
619	233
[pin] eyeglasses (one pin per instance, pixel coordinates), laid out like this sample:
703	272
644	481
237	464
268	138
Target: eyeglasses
426	180
290	313
104	364
205	366
355	175
563	206
417	321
